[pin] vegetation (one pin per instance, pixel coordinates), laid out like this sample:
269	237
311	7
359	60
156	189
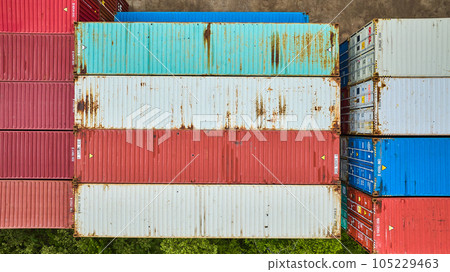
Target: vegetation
62	241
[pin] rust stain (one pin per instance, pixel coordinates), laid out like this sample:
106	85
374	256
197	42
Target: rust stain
317	108
282	105
275	50
260	111
228	120
143	84
207	42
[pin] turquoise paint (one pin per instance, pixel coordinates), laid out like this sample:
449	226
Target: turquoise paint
207	49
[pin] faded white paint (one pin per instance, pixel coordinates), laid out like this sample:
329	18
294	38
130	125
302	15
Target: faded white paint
214	211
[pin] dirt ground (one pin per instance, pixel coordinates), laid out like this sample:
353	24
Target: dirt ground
354	16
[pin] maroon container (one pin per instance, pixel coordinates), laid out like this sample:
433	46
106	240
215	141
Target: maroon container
34	57
36	204
36	106
36	155
145	156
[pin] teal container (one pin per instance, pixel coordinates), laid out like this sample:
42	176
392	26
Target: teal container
207	49
344	207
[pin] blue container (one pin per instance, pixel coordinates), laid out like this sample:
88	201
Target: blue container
207	49
213	17
344	206
343	63
399	166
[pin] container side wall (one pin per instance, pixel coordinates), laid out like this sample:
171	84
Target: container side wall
194	156
213	17
36	204
207	103
36	106
36	155
211	211
207	49
31	57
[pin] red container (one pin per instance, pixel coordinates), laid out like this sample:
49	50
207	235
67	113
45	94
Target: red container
122	6
36	106
134	156
413	225
31	57
47	16
36	155
36	204
108	10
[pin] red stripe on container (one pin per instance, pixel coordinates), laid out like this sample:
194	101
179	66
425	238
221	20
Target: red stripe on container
36	155
36	106
134	156
36	204
28	57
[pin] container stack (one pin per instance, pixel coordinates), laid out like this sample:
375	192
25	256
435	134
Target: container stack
207	125
396	154
36	111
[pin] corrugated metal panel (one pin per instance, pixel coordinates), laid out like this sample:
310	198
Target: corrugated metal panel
401	48
396	166
214	17
89	11
207	49
122	6
192	156
108	10
211	211
344	209
412	225
36	204
360	204
36	155
27	57
297	103
43	16
36	105
343	63
402	106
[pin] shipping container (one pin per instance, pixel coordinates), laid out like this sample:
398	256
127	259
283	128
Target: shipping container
36	155
212	211
33	57
344	209
400	48
36	106
214	17
194	156
207	49
344	63
399	106
122	6
399	166
46	16
31	204
293	103
108	10
405	225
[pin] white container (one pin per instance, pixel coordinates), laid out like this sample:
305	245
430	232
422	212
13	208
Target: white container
403	106
212	211
402	48
162	102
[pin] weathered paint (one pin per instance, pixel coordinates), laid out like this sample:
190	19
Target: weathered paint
36	204
36	155
212	211
399	106
293	103
401	225
214	17
396	166
194	156
33	57
207	49
122	6
36	106
400	48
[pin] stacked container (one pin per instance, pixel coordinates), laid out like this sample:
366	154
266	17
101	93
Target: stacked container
36	111
396	155
207	125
